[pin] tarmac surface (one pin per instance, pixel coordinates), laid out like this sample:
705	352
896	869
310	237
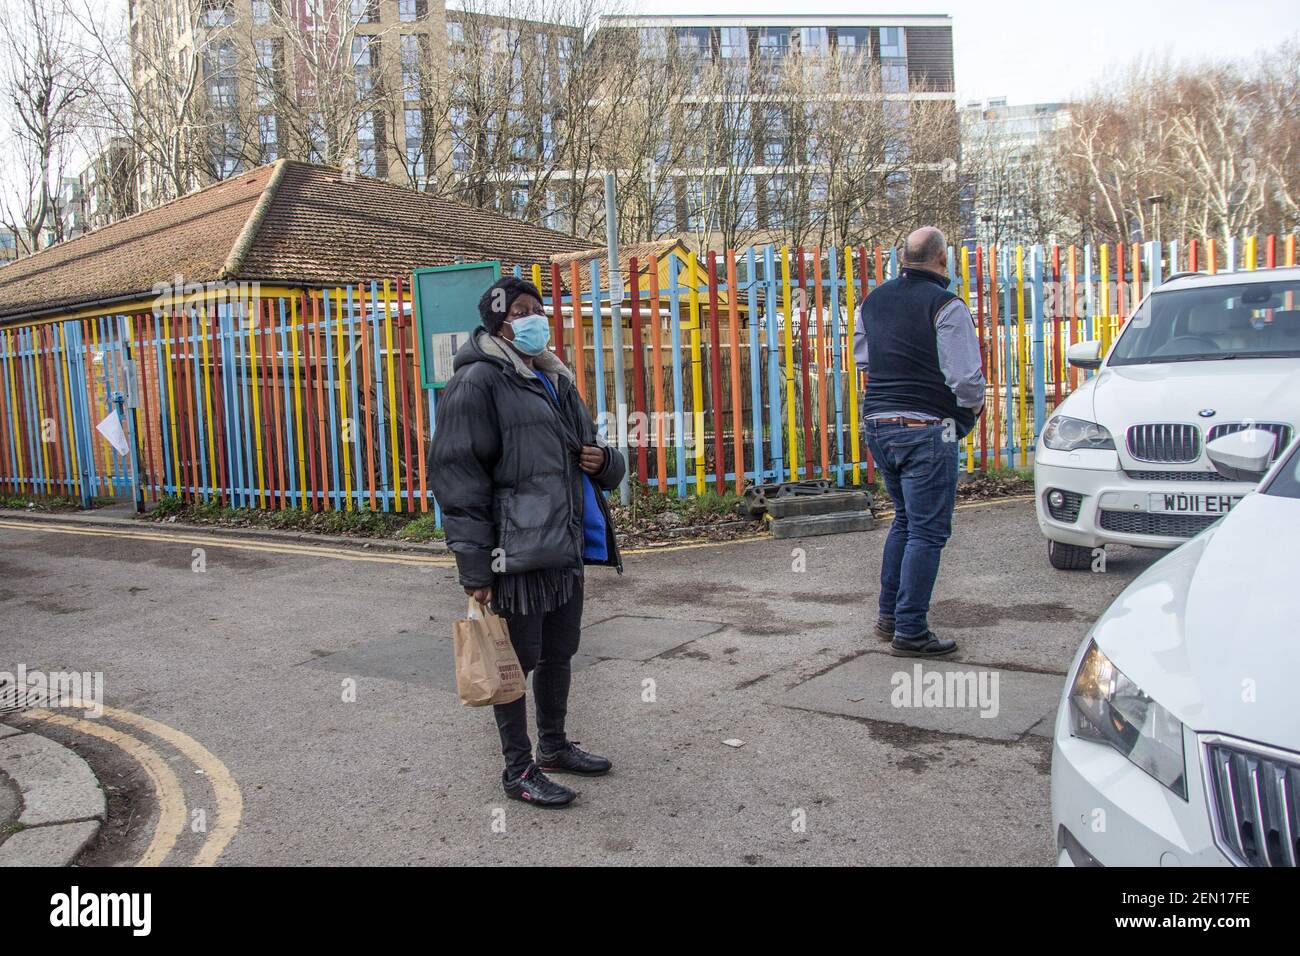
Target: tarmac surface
284	704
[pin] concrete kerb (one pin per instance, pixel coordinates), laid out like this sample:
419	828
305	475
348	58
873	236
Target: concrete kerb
63	805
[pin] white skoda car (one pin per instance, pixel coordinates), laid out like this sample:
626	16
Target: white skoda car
1123	459
1177	741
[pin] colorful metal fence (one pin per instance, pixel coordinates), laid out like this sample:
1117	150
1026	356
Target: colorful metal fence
739	366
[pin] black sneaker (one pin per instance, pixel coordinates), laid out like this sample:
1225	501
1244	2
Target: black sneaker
923	645
533	786
885	628
573	759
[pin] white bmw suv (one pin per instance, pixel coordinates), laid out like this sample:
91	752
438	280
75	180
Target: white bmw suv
1122	460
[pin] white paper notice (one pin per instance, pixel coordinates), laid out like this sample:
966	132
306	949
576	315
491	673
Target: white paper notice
111	429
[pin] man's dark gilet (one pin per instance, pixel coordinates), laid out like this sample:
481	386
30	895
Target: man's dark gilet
903	370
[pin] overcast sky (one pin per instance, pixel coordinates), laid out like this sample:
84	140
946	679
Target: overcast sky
1045	51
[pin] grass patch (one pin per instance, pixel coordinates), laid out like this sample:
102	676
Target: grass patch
348	524
30	503
421	529
649	505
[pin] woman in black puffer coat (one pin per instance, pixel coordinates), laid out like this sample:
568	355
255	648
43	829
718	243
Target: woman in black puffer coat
520	476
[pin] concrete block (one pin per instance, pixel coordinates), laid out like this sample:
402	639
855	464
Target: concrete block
812	525
799	505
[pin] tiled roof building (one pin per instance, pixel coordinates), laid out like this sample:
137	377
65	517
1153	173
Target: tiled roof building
287	223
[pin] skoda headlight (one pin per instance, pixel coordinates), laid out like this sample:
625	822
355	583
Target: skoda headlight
1108	708
1066	434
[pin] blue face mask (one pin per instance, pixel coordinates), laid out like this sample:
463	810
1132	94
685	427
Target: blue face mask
532	334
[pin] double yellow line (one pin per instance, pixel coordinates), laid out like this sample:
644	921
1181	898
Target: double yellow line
241	544
166	786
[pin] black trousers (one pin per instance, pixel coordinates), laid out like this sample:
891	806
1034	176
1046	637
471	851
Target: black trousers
545	645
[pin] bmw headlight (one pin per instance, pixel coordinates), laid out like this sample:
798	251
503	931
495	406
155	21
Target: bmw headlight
1067	434
1108	708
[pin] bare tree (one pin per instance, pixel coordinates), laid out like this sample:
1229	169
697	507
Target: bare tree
45	83
148	90
324	80
1210	145
647	148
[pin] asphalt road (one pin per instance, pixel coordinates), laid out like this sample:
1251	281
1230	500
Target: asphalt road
240	659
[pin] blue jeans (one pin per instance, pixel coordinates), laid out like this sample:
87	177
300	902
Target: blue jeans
919	469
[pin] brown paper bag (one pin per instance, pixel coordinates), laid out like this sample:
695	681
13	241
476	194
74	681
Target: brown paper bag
487	670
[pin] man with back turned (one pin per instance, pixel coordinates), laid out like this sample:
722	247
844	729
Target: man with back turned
925	388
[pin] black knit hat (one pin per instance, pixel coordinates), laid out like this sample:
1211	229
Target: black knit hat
512	288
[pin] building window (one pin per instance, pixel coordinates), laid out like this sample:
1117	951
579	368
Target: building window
693	42
892	42
746	203
267	138
773	45
218	13
653	42
365	11
366	144
777	188
460	154
517	136
408	11
519	200
455	31
265	71
811	137
364	55
415	142
548	136
696	213
554	217
851	42
814	41
773	42
893	60
775	135
226	150
261	12
219	70
734	43
664	214
316	137
411	66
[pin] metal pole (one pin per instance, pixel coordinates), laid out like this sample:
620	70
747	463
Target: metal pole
616	319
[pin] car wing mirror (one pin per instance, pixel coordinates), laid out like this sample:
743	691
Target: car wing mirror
1084	354
1242	455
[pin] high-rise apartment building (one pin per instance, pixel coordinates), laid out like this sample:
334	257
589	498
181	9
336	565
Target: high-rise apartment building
484	109
1008	171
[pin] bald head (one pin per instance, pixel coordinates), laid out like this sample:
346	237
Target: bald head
926	248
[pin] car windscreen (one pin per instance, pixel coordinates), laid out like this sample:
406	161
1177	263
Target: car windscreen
1285	482
1244	320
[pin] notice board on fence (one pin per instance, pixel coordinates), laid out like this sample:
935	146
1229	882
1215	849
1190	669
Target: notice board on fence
446	312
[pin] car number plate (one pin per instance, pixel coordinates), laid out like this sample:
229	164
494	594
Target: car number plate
1189	504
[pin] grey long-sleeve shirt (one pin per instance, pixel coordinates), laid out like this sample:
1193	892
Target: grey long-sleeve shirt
959	357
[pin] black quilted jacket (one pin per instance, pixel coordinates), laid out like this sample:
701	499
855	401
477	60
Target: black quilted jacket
504	465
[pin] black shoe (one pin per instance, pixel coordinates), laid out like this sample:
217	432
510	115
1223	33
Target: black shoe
885	628
573	759
533	786
923	645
